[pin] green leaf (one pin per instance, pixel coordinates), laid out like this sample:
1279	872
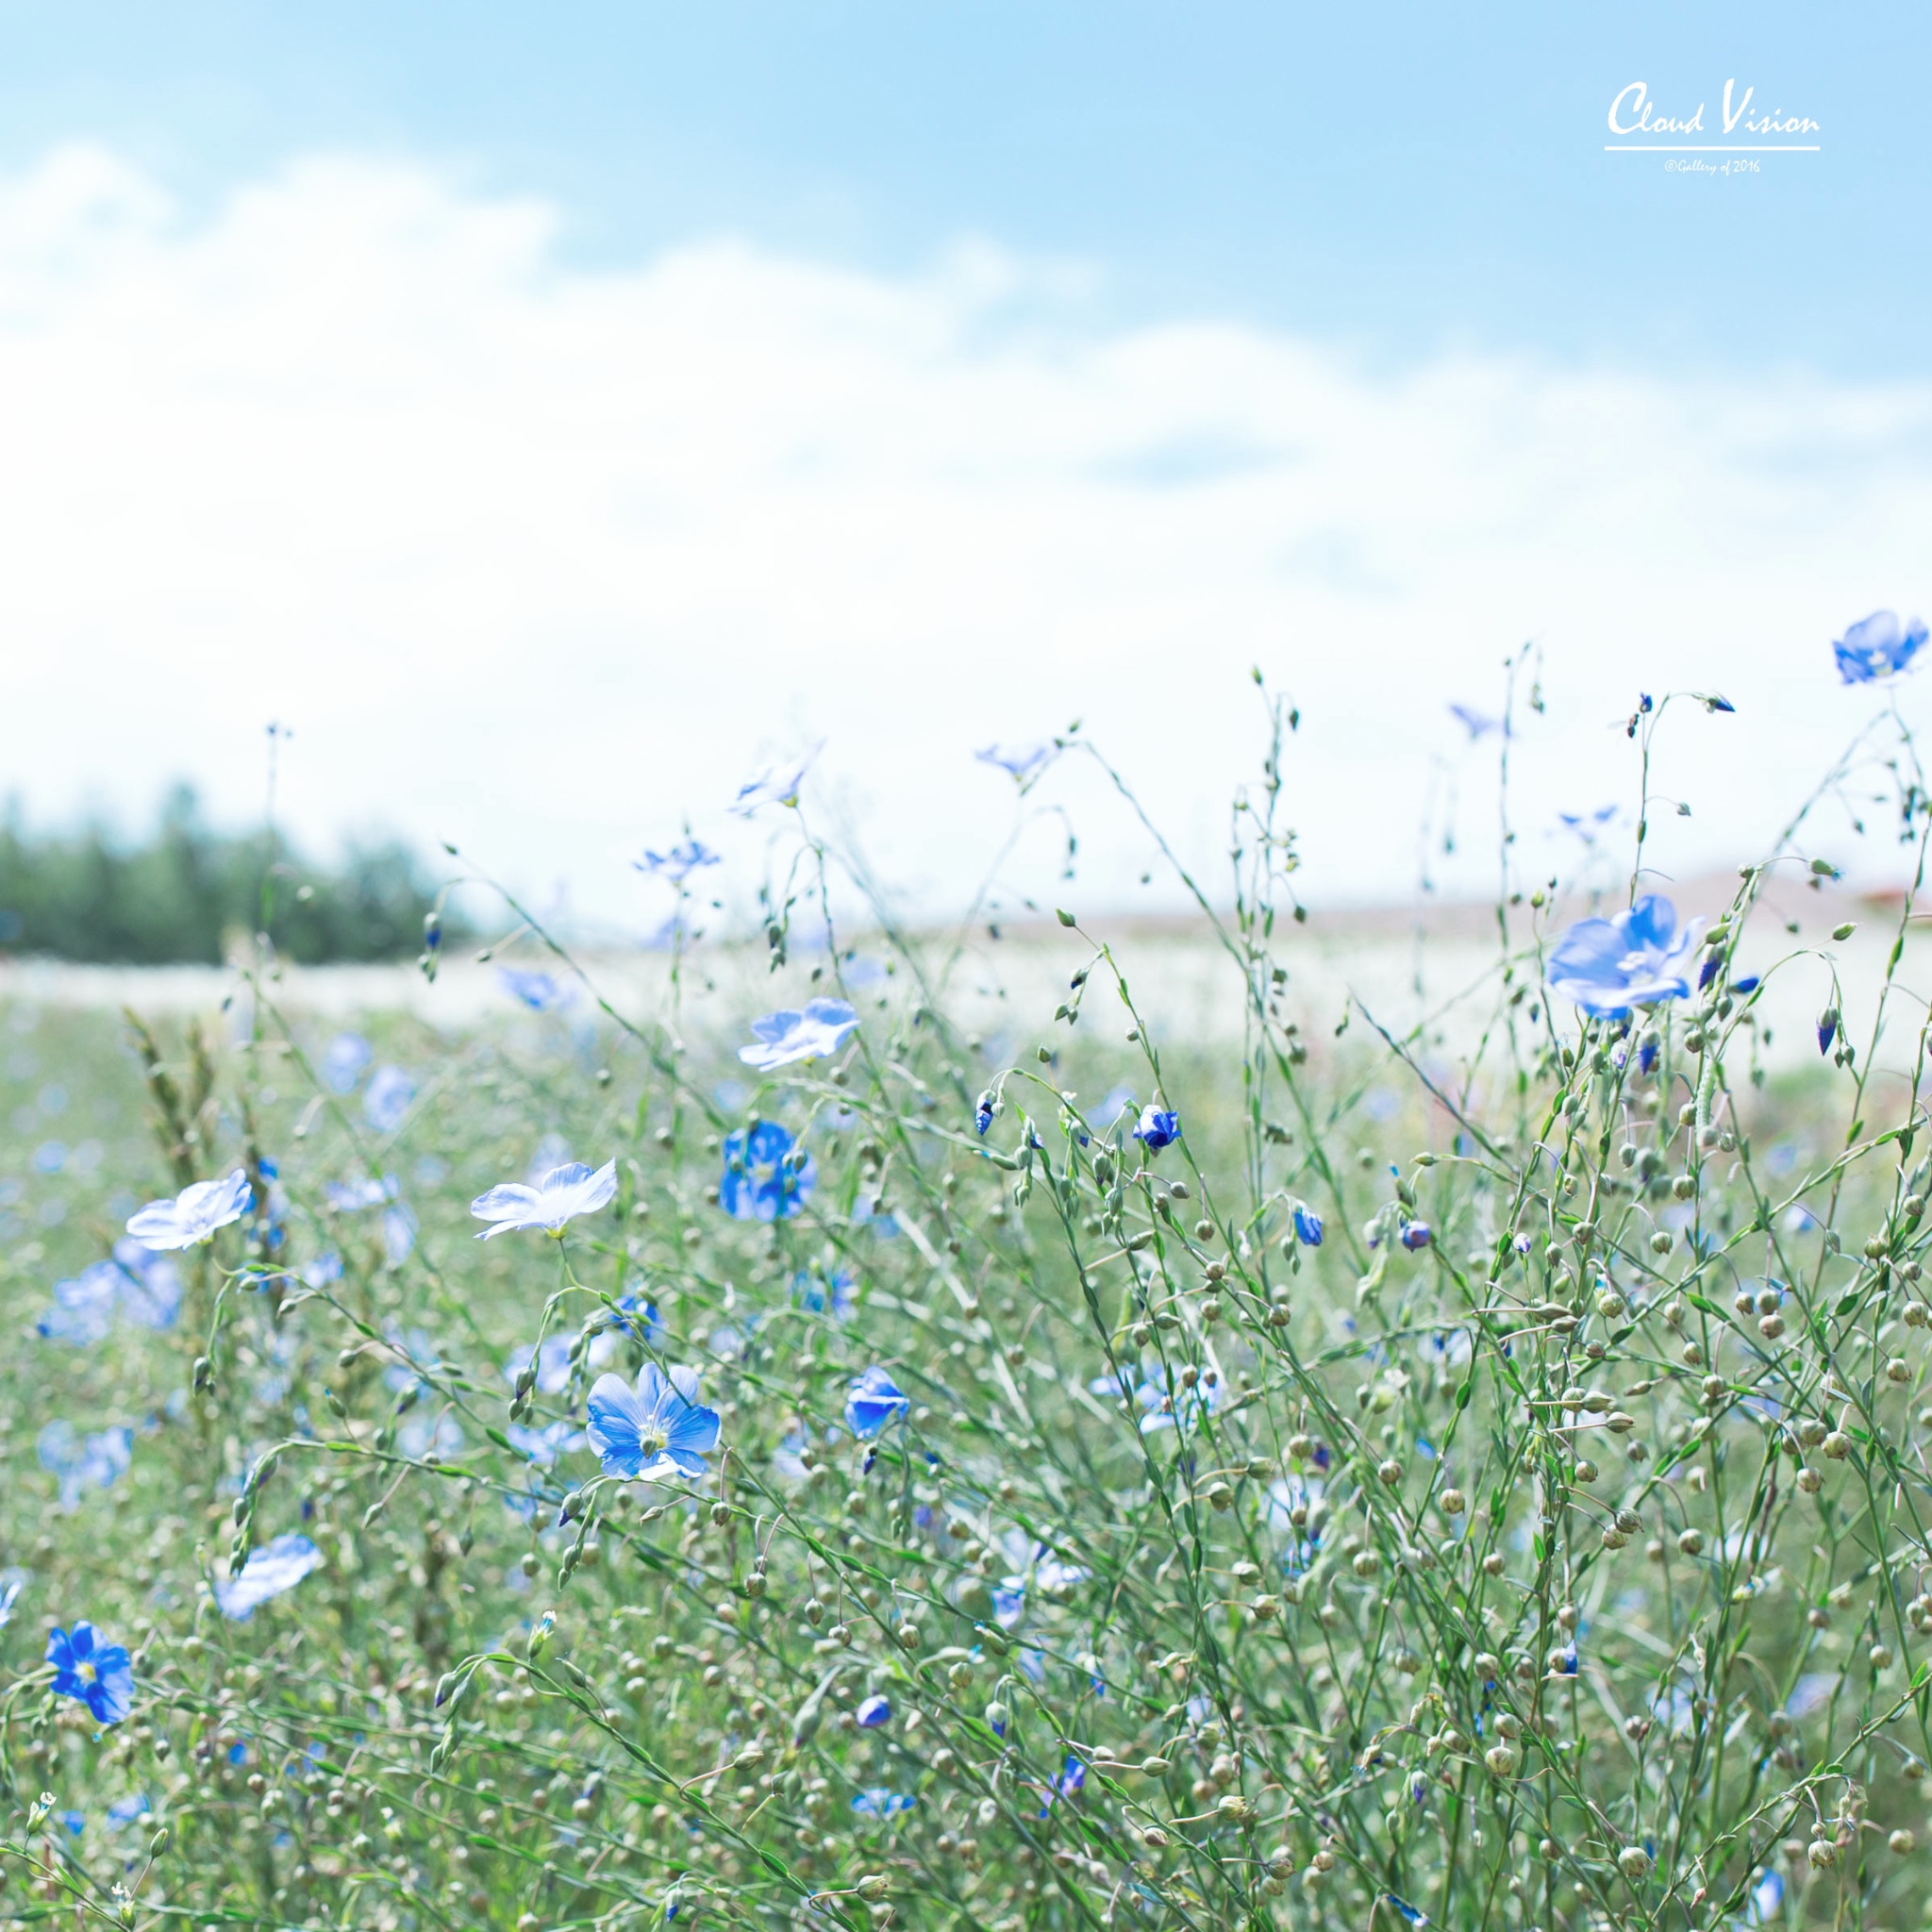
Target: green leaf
1463	1393
1709	1307
501	1440
1846	1302
1536	1544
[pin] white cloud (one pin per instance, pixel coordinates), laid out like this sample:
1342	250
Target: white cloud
538	556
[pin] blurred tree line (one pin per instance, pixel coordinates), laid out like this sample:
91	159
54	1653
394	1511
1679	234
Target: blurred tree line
184	893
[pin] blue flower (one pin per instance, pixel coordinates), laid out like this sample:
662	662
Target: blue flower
559	1198
99	1676
387	1098
1417	1234
1878	646
775	784
1827	1029
343	1064
1308	1225
150	1283
1588	825
77	1463
361	1191
128	1809
1563	1663
1477	724
539	991
1158	1127
873	1712
880	1803
679	863
787	1035
1767	1895
1022	763
639	1319
982	1114
1708	972
1646	1057
1414	1914
659	1429
1609	966
553	1364
1748	984
875	1400
544	1446
761	1180
281	1565
836	1295
83	1309
193	1215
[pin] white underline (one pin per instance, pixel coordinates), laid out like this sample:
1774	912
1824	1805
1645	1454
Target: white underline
1714	148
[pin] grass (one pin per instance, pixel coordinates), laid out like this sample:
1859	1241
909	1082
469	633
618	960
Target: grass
1561	1567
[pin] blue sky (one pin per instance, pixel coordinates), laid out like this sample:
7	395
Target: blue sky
1397	176
552	414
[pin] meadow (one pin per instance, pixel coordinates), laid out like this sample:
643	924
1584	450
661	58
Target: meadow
881	1472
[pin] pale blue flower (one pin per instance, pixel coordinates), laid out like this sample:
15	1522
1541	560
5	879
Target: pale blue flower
269	1571
776	784
544	1446
658	1429
1477	724
537	990
679	863
1588	825
398	1233
836	1294
878	1802
1766	1898
9	1595
343	1064
1022	763
100	1675
563	1193
149	1289
1878	646
553	1364
78	1462
762	1179
786	1035
193	1215
874	1401
873	1712
386	1099
130	1810
1608	967
83	1309
361	1191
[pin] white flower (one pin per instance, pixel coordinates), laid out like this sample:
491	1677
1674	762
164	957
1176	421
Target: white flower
787	1035
559	1197
268	1571
193	1216
775	785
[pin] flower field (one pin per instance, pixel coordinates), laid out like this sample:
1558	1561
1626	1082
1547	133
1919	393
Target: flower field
814	1463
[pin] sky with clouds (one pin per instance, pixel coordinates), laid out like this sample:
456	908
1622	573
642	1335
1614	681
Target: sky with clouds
550	422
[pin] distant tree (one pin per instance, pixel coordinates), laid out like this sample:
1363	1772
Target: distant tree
86	894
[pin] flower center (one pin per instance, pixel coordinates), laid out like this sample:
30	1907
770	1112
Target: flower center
653	1438
85	1673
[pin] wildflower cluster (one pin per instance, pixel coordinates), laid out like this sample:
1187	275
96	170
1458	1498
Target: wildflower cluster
904	1476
